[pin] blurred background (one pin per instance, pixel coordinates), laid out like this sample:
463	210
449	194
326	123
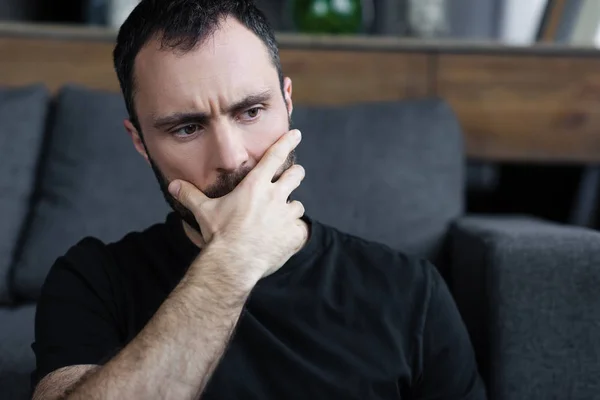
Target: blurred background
511	21
495	186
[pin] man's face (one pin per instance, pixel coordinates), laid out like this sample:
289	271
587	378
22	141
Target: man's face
209	115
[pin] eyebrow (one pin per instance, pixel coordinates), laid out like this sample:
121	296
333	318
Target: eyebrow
202	117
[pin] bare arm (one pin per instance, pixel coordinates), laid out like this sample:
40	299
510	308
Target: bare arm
250	233
61	382
177	351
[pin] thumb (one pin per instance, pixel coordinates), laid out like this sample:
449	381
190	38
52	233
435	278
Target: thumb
187	194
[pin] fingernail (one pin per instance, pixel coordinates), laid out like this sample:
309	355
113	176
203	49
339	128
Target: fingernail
298	134
174	188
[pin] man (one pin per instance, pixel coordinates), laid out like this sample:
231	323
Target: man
237	295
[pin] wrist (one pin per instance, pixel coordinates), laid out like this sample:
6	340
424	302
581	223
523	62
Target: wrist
224	264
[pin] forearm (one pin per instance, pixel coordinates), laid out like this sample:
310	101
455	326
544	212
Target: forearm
177	351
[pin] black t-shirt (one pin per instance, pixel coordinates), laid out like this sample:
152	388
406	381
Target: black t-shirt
344	318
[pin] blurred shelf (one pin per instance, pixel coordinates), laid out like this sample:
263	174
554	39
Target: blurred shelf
48	31
534	104
324	42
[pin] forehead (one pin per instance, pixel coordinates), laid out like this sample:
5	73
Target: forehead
231	63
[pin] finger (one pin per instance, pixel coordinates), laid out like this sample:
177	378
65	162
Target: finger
277	154
188	195
290	180
297	209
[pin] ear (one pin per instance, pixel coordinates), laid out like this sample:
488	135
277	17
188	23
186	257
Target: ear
287	95
137	139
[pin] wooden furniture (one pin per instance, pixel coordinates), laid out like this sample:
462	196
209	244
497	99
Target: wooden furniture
521	104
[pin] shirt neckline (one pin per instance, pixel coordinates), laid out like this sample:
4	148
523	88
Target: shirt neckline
189	251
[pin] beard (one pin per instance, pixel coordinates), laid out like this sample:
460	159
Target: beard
224	185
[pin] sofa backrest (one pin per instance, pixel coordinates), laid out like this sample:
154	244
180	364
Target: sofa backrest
22	124
390	172
93	183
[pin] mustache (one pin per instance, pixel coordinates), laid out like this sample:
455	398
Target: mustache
226	183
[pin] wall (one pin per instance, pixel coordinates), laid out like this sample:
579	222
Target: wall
521	21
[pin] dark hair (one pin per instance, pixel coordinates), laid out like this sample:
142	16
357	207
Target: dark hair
182	25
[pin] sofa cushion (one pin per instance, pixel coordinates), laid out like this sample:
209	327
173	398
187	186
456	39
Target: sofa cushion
17	360
22	123
93	184
390	172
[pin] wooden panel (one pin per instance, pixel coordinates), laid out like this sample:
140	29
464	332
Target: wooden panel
525	108
320	77
513	106
341	77
56	62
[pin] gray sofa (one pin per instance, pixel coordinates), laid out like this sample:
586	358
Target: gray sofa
391	172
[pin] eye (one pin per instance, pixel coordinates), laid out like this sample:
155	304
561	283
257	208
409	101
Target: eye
251	114
187	130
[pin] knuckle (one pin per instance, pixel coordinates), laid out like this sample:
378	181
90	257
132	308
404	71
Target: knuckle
299	170
278	155
286	146
183	196
304	232
298	206
188	199
294	172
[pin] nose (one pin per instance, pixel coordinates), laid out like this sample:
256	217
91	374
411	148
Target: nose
229	152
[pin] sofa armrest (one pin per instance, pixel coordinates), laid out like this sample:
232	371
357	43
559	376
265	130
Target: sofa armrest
529	292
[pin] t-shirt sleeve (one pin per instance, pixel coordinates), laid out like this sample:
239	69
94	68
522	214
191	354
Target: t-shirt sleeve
76	321
449	370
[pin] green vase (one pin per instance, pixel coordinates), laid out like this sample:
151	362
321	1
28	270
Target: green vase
328	16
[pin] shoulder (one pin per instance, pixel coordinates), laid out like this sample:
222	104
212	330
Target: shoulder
95	261
92	247
84	261
379	258
87	249
401	287
402	276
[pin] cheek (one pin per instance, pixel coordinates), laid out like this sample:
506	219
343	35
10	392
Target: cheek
181	160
